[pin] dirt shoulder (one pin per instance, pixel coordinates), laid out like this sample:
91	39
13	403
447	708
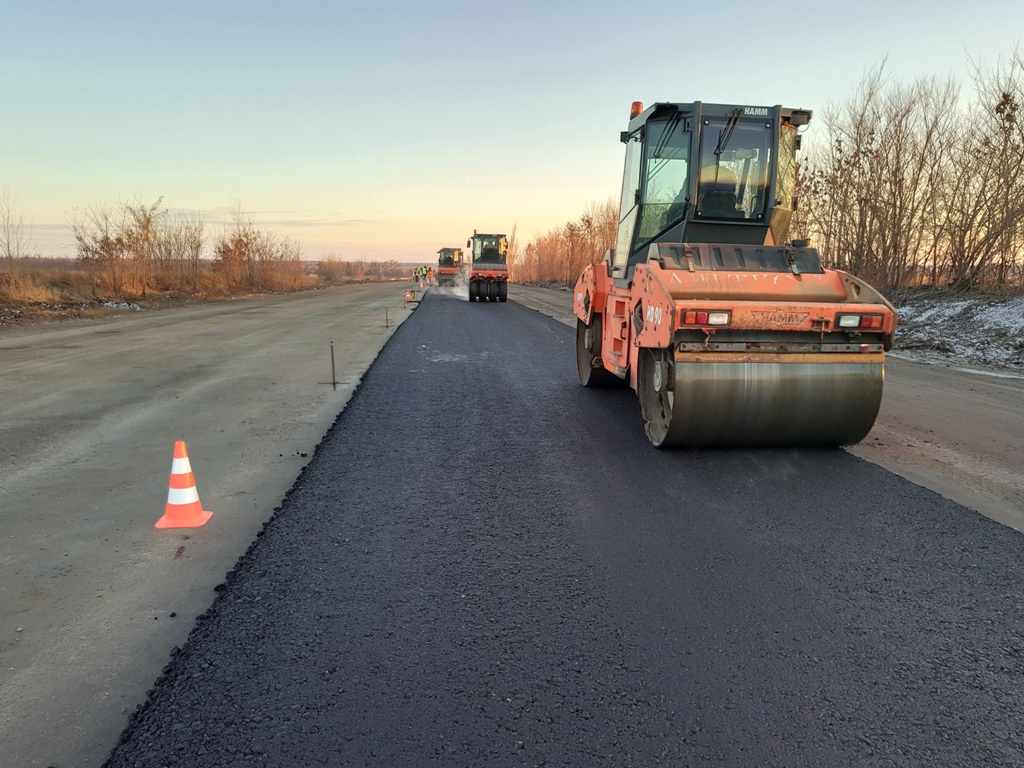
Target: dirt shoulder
18	314
93	596
32	313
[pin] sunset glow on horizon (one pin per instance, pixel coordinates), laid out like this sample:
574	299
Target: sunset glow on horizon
388	130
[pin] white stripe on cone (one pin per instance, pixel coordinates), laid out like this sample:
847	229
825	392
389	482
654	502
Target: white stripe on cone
182	495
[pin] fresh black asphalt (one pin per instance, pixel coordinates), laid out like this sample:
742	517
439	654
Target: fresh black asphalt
485	564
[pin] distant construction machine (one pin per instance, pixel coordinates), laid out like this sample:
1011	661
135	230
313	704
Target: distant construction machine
731	334
449	266
488	272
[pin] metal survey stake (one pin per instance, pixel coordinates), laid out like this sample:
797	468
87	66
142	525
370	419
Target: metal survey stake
334	378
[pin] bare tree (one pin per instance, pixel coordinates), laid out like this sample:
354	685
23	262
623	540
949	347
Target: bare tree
192	235
984	201
99	238
513	255
908	187
178	252
839	183
15	242
235	250
919	123
563	252
140	235
871	193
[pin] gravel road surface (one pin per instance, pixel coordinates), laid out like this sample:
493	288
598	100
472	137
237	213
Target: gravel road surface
484	564
92	597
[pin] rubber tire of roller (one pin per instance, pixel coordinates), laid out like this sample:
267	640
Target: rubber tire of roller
590	376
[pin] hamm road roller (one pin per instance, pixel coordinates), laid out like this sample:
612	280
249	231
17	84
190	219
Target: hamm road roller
449	266
731	334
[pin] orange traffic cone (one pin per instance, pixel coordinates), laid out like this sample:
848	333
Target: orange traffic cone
183	507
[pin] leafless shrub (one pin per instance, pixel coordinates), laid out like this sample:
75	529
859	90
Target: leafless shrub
100	238
255	260
334	270
15	245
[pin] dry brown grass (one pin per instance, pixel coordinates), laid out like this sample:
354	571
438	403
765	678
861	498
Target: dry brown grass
45	289
44	282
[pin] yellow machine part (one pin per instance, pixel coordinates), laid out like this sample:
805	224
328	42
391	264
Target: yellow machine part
767	400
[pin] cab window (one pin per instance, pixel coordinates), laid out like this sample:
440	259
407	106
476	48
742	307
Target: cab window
734	159
665	177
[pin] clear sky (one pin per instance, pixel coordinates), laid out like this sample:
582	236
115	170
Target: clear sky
389	128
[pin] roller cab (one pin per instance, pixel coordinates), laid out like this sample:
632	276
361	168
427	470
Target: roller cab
730	334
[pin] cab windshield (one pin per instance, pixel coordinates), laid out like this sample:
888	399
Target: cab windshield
490	248
665	171
449	258
734	159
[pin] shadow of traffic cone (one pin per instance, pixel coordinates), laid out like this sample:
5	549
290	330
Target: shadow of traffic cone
183	507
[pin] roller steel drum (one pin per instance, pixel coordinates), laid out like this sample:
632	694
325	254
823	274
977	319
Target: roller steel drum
773	400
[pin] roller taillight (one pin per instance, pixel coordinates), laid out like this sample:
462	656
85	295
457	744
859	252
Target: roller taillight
866	322
705	317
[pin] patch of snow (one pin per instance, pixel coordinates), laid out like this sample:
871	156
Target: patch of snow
985	330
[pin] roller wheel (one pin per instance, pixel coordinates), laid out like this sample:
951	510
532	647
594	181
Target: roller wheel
503	291
765	404
474	290
492	291
585	356
654	390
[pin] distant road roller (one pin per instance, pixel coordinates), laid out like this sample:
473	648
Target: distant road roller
449	266
488	270
731	334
